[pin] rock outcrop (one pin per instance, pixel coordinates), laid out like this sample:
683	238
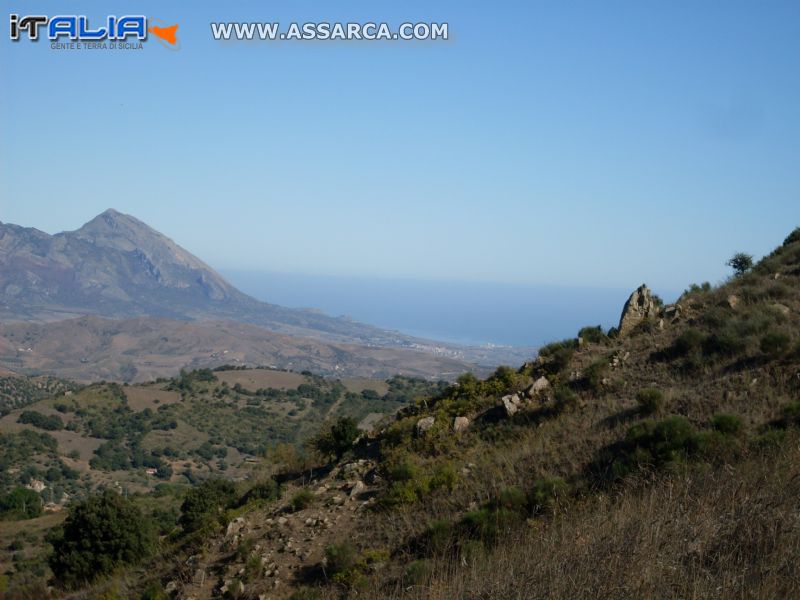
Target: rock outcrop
425	424
640	306
460	424
511	404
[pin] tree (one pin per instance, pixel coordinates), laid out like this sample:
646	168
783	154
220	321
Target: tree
205	504
338	439
741	263
21	503
100	535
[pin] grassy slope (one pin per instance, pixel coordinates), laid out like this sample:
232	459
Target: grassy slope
703	522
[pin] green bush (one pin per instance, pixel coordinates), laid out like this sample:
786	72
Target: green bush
688	342
444	477
594	375
417	572
340	558
593	335
265	491
511	498
302	499
558	355
20	503
338	438
438	538
724	343
650	400
565	398
37	419
727	424
775	344
100	535
205	505
655	444
547	493
488	524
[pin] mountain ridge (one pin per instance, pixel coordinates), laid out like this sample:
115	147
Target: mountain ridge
116	266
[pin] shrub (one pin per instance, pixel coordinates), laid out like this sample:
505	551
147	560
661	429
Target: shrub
445	477
338	438
511	498
594	375
727	424
37	419
565	398
650	400
488	524
301	500
593	335
340	558
724	343
775	344
266	491
547	493
558	355
100	535
688	342
655	444
416	572
438	538
205	504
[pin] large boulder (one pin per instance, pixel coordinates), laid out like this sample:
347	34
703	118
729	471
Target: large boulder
640	306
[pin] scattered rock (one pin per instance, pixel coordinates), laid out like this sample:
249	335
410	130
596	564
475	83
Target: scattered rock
357	488
235	527
511	404
538	386
424	424
639	307
460	424
199	577
282	520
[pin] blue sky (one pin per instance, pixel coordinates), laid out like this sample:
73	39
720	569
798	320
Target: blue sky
580	143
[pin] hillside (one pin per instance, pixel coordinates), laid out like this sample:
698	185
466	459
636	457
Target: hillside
137	350
657	459
116	266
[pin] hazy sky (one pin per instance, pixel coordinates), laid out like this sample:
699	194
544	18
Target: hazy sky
597	143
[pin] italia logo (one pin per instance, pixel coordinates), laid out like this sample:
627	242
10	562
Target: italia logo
76	28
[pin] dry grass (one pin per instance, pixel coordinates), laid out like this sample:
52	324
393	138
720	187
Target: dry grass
726	533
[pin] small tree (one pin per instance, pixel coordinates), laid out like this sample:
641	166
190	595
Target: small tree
99	535
741	263
338	439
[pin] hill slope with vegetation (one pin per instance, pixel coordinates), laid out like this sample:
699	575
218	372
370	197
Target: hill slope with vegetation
660	459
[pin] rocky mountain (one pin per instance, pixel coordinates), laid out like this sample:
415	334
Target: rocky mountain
118	267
